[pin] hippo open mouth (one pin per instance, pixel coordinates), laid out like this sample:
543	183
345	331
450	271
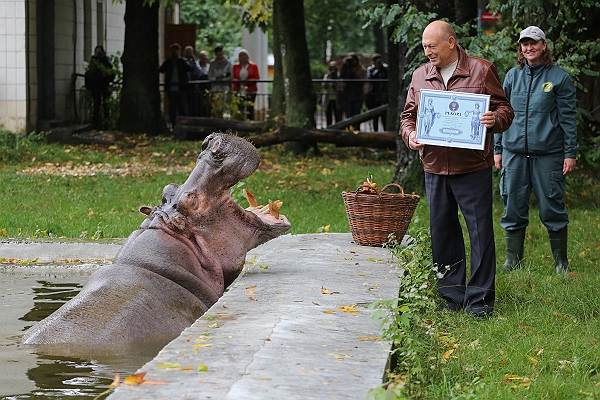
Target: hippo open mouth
176	265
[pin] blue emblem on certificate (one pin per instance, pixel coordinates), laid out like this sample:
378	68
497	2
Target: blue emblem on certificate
451	119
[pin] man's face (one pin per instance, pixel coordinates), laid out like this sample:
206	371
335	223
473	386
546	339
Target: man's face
203	58
440	50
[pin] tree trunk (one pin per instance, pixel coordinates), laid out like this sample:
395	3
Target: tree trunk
299	95
382	140
408	167
380	43
140	97
466	11
278	96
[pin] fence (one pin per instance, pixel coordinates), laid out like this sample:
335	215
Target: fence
216	99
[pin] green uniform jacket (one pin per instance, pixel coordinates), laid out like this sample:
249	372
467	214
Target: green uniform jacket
544	102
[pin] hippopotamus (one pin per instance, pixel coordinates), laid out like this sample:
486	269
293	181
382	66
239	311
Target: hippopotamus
175	266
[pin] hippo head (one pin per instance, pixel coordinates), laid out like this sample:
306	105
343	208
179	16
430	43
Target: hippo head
204	199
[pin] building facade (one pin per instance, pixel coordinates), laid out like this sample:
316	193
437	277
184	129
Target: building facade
44	49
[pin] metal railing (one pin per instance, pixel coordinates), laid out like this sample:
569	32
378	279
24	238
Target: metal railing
214	98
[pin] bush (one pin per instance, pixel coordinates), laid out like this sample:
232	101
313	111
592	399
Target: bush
16	146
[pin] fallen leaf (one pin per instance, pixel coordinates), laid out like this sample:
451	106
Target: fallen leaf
517	382
348	309
168	365
447	354
250	292
540	352
201	345
375	260
368	338
135	379
340	356
116	381
327	291
202	368
324	228
328	311
533	361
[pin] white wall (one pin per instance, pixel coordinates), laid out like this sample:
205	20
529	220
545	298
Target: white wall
115	26
13	94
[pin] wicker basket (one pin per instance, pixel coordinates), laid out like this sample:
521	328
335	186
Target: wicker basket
373	217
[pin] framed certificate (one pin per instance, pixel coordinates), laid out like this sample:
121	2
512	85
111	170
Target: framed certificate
451	119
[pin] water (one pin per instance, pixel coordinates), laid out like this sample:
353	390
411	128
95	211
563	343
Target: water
26	373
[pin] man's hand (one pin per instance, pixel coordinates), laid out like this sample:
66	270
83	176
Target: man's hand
569	165
413	144
488	119
498	161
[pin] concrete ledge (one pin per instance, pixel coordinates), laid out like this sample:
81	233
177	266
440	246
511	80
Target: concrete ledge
55	252
286	329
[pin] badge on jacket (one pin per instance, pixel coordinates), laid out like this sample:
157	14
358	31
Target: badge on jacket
548	86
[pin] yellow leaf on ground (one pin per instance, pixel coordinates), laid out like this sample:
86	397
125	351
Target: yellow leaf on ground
533	361
368	338
202	367
116	381
201	345
447	354
328	311
348	309
168	365
250	292
517	382
327	291
135	379
324	228
340	356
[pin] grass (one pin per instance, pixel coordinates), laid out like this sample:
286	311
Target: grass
38	201
542	343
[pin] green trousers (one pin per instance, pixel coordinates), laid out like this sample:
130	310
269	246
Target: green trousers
541	174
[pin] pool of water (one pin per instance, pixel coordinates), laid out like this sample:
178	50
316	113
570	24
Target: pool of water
26	373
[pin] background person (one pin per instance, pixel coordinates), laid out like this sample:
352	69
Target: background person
98	77
176	80
538	149
333	111
459	178
204	66
377	92
244	70
192	89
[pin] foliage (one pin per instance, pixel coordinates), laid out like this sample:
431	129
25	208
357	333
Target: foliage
407	320
15	146
217	22
335	21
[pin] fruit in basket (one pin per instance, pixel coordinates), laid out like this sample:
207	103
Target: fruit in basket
368	187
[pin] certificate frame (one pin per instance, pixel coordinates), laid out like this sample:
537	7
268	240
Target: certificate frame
451	119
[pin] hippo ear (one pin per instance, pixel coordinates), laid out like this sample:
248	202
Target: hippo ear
207	140
215	145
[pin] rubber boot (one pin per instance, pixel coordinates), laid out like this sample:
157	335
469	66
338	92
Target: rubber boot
514	249
558	244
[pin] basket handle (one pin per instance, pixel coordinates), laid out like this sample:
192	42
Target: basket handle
395	185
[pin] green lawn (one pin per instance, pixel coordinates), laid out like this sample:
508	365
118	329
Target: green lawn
542	343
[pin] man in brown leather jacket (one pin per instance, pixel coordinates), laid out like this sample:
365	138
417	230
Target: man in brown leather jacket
459	178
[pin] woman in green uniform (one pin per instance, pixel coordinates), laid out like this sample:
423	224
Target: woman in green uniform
538	149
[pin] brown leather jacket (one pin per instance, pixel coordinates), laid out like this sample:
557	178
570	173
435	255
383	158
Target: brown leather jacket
472	75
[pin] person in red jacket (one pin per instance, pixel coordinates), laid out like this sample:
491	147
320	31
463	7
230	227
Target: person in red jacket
245	70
